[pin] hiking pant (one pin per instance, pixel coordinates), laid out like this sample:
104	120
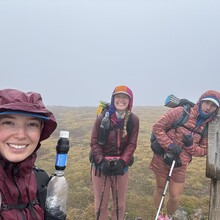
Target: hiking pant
119	186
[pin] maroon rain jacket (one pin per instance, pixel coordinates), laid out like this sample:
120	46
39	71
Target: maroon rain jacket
116	145
18	183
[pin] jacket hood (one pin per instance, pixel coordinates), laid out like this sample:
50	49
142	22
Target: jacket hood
121	89
210	94
214	95
13	100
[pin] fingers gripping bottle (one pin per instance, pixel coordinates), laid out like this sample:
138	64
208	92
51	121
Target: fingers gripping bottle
57	188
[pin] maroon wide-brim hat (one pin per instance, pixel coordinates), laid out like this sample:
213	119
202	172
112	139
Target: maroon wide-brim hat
13	101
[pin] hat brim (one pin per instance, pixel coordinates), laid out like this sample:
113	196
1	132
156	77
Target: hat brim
121	92
24	113
212	100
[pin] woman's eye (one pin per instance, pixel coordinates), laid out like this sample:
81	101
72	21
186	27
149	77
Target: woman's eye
34	124
213	105
7	123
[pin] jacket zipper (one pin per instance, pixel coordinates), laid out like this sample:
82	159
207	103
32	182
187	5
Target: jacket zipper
118	139
14	170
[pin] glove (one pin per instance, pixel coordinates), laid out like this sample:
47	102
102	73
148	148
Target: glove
175	149
169	158
187	140
106	168
118	168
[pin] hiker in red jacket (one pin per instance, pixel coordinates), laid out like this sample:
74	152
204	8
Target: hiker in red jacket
183	143
24	123
113	142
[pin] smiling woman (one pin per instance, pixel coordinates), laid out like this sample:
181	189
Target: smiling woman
20	135
24	123
114	155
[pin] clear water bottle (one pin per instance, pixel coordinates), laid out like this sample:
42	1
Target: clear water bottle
103	131
57	188
105	123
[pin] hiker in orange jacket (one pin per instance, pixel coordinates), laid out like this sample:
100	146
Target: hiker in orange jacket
183	143
112	150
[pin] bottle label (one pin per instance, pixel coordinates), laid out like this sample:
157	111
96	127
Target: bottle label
61	160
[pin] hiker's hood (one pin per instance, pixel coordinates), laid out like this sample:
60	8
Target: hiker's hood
209	95
13	101
121	89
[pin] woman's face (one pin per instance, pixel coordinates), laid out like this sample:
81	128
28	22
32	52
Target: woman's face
19	136
121	101
208	106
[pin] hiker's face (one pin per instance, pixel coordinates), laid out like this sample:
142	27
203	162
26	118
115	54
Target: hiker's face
19	136
121	101
208	106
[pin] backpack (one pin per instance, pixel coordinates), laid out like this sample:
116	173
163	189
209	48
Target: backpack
102	108
187	105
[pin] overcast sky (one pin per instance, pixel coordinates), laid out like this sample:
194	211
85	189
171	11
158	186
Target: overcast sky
74	52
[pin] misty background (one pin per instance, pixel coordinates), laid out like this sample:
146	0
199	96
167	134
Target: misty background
75	52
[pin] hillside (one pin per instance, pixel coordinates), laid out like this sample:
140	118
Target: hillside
79	122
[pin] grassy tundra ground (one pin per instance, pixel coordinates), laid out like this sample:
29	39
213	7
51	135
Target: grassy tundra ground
139	203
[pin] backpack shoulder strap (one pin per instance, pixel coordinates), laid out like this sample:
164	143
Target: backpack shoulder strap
42	181
203	133
183	118
129	124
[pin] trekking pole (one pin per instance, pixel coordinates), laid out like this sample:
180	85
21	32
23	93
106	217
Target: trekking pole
165	189
117	209
100	205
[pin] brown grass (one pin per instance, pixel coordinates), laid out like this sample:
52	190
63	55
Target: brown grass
139	203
